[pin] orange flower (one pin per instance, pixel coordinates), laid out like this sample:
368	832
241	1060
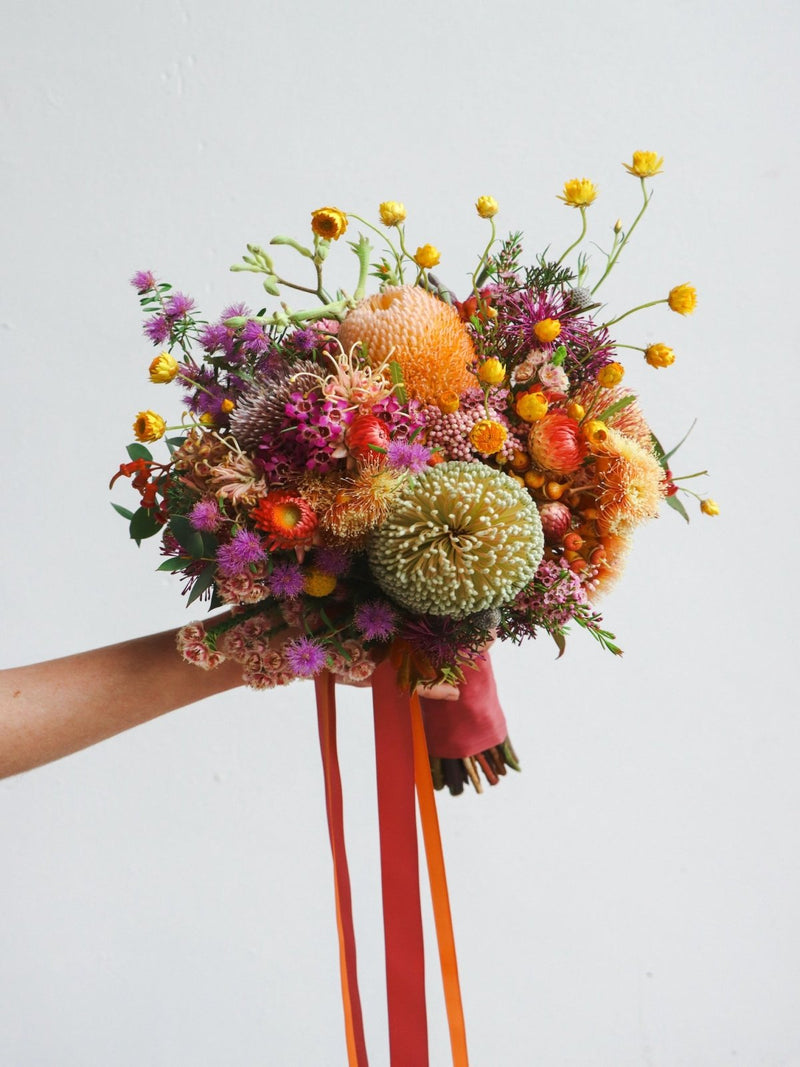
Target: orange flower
557	444
329	223
287	518
488	436
421	333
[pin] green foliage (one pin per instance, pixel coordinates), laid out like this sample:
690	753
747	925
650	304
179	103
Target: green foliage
143	524
137	451
124	512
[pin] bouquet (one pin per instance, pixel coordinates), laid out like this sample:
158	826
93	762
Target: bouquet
381	484
401	472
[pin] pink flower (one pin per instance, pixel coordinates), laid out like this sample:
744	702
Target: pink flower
556	443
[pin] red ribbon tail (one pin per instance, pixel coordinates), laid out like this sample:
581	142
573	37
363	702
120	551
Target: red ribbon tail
402	916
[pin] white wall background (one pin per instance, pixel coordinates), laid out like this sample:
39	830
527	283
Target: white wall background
631	899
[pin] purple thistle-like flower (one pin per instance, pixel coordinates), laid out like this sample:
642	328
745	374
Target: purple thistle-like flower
235	311
305	340
179	304
213	337
143	281
205	515
157	328
376	619
305	656
253	338
408	454
236	556
331	560
286	580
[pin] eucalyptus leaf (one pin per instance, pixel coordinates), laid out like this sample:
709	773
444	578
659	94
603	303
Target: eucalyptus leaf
124	512
204	582
137	451
672	451
174	563
677	505
190	540
143	524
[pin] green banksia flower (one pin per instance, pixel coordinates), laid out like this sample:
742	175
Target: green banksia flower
462	537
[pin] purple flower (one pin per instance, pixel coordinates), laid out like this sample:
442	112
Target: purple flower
376	620
214	336
235	311
305	656
235	557
335	561
143	281
305	340
179	304
286	580
205	516
157	329
408	454
254	338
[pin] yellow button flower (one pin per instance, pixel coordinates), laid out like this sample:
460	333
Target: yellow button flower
329	223
163	368
683	299
547	330
427	256
645	164
709	506
579	192
659	355
318	583
595	431
488	436
148	426
610	375
491	371
487	207
531	406
392	212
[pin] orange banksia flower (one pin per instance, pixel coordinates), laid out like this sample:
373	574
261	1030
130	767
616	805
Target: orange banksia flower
422	334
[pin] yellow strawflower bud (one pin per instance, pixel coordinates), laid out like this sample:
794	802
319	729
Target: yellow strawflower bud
426	256
683	299
328	222
575	410
318	583
618	226
163	368
392	212
578	192
486	206
531	406
448	402
645	164
148	426
709	506
595	431
547	330
488	436
491	371
610	375
659	355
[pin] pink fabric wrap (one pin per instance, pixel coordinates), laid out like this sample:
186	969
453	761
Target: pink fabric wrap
464	727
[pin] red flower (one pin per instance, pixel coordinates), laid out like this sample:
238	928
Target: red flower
288	519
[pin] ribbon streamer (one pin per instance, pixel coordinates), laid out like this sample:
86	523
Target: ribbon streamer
326	719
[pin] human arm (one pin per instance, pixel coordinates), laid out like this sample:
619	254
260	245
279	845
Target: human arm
52	709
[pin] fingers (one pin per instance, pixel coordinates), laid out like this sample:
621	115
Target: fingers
440	691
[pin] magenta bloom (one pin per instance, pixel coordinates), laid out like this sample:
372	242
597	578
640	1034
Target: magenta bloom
238	554
414	457
305	656
376	620
143	281
286	580
179	304
205	516
335	561
157	328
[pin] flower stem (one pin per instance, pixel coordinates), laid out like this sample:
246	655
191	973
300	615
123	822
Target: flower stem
484	258
580	238
612	259
641	307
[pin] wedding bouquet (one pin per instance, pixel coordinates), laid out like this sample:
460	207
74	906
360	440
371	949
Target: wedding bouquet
409	472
